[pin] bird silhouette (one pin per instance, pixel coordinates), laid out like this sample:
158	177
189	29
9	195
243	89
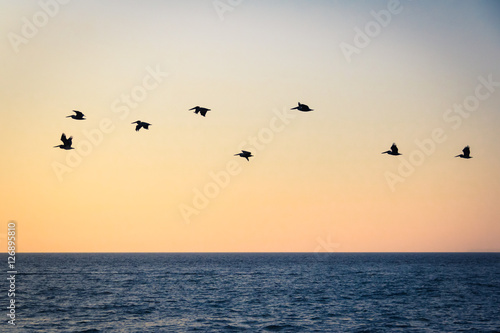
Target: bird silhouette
67	142
245	154
78	115
393	151
203	111
302	107
141	124
466	153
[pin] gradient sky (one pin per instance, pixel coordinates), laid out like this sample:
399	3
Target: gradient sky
318	181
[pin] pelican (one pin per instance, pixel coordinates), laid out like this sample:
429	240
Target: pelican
66	142
77	116
201	110
141	124
302	107
245	154
393	151
466	153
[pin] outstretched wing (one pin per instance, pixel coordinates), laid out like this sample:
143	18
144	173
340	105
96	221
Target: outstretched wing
394	148
78	114
196	109
66	141
145	125
203	111
466	151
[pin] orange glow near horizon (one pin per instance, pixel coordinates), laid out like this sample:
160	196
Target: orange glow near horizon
317	181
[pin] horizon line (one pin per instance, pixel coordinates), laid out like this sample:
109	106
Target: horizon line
265	252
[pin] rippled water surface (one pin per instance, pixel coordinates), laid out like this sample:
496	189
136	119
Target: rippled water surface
336	292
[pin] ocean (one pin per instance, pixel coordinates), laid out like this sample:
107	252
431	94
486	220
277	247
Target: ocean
255	292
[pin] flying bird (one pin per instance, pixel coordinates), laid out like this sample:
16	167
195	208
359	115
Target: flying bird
141	124
245	154
78	115
67	142
393	151
302	107
466	153
201	110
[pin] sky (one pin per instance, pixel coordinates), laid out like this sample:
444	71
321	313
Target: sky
422	74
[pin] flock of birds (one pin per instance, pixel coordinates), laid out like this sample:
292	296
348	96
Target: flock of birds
68	142
395	152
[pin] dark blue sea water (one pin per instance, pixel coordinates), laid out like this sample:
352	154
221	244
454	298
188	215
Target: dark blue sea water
335	292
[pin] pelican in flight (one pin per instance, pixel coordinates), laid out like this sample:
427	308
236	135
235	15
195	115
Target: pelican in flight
201	110
466	153
302	107
245	154
393	151
78	115
141	124
66	142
